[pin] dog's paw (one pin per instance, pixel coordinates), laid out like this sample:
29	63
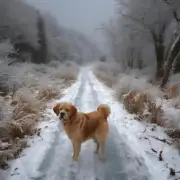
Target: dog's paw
73	164
102	159
74	159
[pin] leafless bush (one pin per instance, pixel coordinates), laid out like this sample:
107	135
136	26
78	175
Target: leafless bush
66	72
20	122
156	114
10	151
144	107
48	93
107	73
108	80
172	91
53	64
26	102
4	86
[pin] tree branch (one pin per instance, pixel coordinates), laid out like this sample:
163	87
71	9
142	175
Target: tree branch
174	12
137	21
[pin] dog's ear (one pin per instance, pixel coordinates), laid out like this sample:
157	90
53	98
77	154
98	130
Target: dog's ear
56	109
73	111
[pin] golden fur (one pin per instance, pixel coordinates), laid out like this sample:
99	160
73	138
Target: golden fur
81	127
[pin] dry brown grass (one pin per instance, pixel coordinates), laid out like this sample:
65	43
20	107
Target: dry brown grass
156	113
128	101
172	91
48	93
67	72
22	121
26	112
25	104
143	106
135	102
107	73
23	126
134	90
10	151
107	79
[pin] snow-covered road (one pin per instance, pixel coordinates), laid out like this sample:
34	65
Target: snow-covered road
52	159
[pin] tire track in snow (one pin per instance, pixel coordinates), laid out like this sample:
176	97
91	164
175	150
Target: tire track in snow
121	163
53	166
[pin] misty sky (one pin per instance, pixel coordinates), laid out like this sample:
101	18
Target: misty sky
82	15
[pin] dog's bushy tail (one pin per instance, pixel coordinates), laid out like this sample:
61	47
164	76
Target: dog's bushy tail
104	109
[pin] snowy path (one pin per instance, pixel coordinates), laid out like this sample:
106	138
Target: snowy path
123	161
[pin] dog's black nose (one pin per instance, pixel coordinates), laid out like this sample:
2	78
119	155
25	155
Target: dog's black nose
62	114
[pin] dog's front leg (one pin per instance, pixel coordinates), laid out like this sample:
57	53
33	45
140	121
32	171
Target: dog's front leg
77	149
97	146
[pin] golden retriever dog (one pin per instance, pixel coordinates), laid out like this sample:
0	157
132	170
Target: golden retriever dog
81	127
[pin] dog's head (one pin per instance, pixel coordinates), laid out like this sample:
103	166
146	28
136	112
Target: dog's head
65	110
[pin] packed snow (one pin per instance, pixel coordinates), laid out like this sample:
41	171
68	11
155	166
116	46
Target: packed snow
132	149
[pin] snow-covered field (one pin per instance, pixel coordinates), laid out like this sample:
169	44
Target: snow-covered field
132	151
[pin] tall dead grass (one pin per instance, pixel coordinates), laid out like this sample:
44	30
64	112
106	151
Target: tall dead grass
107	73
139	96
48	93
26	111
26	103
144	107
66	72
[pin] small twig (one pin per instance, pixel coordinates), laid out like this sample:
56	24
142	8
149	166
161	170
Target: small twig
153	150
39	133
151	145
173	141
153	128
143	133
172	172
13	174
160	153
162	140
160	156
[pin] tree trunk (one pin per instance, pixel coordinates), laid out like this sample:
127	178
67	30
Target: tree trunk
176	68
173	54
140	61
159	50
42	41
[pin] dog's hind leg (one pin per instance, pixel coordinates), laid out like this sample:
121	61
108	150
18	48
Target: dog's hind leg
101	136
97	145
101	150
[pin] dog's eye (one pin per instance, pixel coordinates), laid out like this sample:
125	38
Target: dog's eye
67	110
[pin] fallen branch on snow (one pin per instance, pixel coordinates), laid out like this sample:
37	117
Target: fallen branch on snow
162	140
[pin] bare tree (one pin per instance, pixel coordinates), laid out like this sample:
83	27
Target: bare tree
152	17
173	53
43	46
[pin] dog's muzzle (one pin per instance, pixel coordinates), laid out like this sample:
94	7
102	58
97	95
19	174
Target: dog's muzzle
62	114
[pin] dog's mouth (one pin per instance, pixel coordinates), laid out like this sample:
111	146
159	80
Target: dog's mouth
62	119
62	116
